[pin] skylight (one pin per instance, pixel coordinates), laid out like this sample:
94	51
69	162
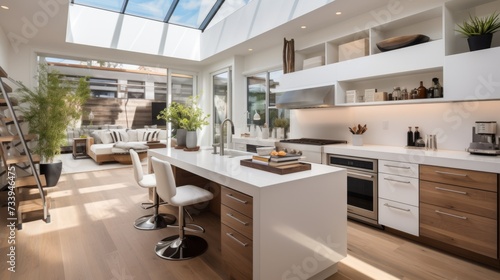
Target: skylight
197	14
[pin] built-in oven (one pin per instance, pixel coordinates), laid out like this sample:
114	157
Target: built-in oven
362	186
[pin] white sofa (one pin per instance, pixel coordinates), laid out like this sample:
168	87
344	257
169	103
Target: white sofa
101	143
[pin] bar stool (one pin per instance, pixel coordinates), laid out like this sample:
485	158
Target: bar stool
181	246
157	220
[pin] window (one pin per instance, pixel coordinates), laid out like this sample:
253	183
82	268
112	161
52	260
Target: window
104	88
221	89
161	91
135	89
261	99
182	87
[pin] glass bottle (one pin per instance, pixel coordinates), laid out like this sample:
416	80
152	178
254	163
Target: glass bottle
409	137
404	94
416	135
396	93
422	91
438	89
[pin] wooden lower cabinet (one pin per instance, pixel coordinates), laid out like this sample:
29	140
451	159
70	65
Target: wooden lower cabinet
237	233
460	208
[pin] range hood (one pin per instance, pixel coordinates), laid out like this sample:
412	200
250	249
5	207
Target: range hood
317	97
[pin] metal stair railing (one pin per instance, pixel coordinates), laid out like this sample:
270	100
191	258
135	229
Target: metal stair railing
46	215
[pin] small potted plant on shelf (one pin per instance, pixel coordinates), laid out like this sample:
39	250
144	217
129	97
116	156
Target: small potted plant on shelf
49	109
281	125
479	31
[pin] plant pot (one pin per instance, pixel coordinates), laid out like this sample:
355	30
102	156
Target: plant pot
52	172
191	139
480	42
181	137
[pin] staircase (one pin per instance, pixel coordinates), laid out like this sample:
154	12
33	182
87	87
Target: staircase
18	163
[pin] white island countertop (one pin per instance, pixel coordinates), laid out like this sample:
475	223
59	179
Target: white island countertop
446	158
299	219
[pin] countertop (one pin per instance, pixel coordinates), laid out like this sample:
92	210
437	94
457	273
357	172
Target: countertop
447	158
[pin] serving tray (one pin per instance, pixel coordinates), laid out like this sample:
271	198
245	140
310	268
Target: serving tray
281	170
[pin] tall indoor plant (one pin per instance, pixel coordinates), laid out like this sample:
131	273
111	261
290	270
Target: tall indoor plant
173	114
479	31
49	109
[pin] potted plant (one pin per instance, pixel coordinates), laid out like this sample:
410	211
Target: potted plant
49	109
479	31
187	117
281	125
174	114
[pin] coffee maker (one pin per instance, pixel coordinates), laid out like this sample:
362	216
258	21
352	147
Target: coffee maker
484	139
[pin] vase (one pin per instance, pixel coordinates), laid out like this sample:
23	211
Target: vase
181	137
480	42
52	172
191	139
357	140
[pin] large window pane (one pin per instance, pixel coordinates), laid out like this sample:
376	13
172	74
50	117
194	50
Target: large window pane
256	99
191	13
221	94
182	87
153	9
112	5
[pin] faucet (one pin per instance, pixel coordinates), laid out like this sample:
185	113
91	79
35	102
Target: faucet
222	134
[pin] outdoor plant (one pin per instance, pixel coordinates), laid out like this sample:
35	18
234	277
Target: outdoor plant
50	108
476	26
281	122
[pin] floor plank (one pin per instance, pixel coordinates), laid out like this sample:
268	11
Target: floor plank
92	237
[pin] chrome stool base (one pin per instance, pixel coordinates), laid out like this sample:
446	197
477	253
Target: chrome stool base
176	249
152	222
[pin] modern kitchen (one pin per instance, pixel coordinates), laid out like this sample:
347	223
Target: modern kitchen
401	141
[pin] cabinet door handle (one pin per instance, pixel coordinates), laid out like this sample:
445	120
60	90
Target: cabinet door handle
359	174
448	190
450	174
402	209
237	199
394	180
395	166
236	239
451	215
236	219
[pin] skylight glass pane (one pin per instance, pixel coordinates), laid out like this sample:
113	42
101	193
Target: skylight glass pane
191	13
153	9
112	5
226	9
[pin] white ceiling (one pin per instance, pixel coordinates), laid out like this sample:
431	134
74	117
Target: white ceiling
47	33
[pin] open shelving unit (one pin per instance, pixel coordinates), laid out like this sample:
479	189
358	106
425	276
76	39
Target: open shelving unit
445	56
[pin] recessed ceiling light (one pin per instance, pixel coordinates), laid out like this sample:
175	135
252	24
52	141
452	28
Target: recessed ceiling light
4	7
303	27
338	13
250	50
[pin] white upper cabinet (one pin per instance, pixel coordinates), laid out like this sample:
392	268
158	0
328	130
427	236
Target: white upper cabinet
353	62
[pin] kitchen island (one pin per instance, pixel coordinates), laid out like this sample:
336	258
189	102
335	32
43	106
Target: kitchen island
299	219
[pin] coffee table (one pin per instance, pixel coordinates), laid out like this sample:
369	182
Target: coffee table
122	154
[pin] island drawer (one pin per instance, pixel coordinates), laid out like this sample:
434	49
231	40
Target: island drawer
238	201
237	252
398	188
479	202
398	168
468	231
237	221
460	177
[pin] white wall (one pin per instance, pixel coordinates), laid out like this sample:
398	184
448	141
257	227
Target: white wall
4	50
388	124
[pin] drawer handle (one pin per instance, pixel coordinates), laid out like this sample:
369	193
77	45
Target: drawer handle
237	199
359	174
402	209
236	239
395	166
449	173
232	216
448	190
394	180
451	215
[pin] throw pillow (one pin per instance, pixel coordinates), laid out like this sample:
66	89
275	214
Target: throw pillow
150	135
116	136
132	135
106	137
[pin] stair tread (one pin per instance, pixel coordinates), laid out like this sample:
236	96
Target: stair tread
4	103
22	158
6	87
31	205
29	181
3	73
11	120
10	138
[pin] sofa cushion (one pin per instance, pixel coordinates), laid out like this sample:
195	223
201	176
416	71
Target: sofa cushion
106	137
130	145
102	149
150	135
132	135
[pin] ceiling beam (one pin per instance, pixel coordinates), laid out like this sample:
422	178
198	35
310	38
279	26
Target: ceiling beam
124	7
211	15
171	11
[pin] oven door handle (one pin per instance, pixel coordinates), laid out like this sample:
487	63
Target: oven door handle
359	174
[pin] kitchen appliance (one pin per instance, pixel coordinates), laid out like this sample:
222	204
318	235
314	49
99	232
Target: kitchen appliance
312	149
484	139
317	97
362	187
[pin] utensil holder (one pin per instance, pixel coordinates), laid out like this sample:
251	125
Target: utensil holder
357	140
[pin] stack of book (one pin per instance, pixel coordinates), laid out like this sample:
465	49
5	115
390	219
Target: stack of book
289	159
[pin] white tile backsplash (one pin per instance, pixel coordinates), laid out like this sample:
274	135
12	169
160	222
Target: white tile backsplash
388	124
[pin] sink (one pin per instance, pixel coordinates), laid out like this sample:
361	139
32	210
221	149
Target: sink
235	153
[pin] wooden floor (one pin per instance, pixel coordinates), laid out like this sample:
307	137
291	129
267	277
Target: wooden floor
91	237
